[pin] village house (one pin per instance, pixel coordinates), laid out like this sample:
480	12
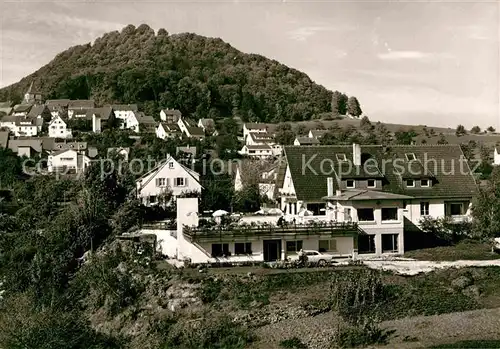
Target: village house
208	125
170	116
78	108
40	112
384	189
306	141
100	118
165	130
170	177
21	109
58	128
140	122
263	151
317	134
67	161
251	127
58	107
124	112
189	128
26	147
26	126
32	97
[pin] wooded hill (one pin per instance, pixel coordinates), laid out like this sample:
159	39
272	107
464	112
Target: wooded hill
205	77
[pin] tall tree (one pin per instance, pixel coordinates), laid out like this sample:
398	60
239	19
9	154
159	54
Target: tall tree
353	107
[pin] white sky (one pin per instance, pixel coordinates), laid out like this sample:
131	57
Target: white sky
434	63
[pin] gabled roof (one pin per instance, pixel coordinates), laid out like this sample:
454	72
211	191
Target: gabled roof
55	119
104	113
207	122
164	163
260	137
37	110
170	127
57	103
33	143
4	139
310	181
124	107
144	119
195	131
81	104
255	126
69	145
259	147
359	195
8	118
318	133
173	112
22	108
307	140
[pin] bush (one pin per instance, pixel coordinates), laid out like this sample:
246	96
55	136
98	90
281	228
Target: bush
368	333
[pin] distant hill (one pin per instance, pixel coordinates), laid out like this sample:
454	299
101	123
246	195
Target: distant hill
198	75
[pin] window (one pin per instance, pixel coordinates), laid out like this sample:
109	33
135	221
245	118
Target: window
424	183
341	157
293	246
456	209
327	245
389	213
424	208
220	250
410	183
161	182
152	199
242	248
372	183
365	214
366	244
179	182
410	156
170	165
349	183
389	243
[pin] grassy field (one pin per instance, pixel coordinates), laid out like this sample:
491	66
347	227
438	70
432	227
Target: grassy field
479	344
462	251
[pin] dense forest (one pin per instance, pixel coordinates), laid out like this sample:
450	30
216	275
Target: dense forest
203	77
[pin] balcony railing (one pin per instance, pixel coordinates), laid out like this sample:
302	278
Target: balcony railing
270	231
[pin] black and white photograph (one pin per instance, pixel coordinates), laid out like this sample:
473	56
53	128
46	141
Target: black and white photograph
261	174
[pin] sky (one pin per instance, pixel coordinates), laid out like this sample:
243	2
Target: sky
430	63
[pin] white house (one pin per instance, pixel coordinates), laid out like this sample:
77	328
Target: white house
68	160
165	130
306	141
259	139
168	177
316	133
251	127
58	107
384	189
257	151
170	116
78	108
58	128
496	157
207	124
27	127
124	112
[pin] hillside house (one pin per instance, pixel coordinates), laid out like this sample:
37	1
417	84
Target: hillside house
124	112
168	177
140	122
370	185
259	139
306	141
165	130
208	125
26	147
58	107
170	116
26	126
78	108
67	161
251	127
100	118
58	128
263	151
21	109
32	97
40	112
194	132
317	134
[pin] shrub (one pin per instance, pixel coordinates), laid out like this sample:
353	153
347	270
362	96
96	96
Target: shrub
363	334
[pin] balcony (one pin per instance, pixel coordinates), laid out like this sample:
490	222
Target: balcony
267	231
459	218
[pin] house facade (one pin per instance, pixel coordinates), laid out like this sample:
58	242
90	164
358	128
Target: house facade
124	112
170	116
58	128
263	151
165	130
78	108
385	190
251	127
68	160
170	177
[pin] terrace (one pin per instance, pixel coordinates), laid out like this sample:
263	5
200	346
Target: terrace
268	231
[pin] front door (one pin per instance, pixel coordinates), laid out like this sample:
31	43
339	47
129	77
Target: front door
272	250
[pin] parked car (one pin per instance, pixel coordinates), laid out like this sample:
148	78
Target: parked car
314	257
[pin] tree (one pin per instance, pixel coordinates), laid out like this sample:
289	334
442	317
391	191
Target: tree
442	139
284	134
353	107
490	129
486	208
475	130
365	123
339	103
248	199
301	130
460	131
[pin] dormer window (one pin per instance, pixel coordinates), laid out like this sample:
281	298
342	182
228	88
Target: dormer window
372	183
425	183
341	157
350	183
410	183
170	165
410	156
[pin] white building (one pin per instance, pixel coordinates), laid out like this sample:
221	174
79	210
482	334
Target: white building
496	157
251	127
169	177
124	112
67	160
58	128
257	151
170	116
165	130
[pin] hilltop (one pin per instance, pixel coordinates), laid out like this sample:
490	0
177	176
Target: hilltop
201	76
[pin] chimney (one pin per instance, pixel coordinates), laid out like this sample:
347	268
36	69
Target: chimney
329	186
356	154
